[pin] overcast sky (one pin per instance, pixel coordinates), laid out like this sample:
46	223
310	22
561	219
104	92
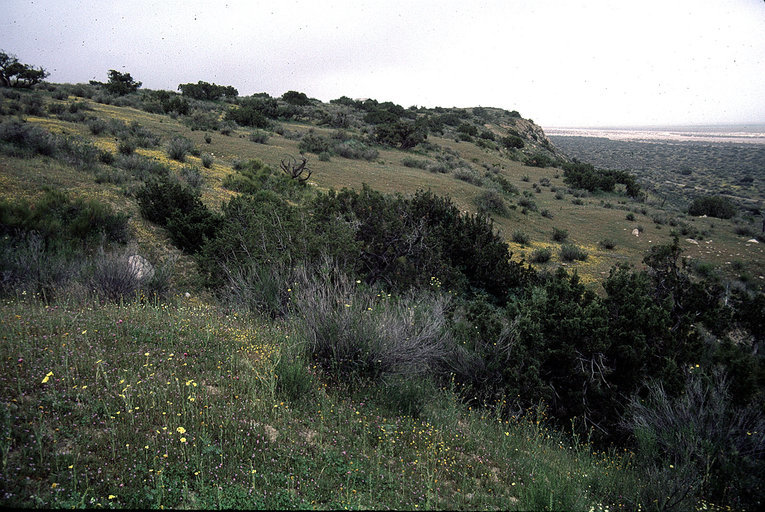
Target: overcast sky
559	62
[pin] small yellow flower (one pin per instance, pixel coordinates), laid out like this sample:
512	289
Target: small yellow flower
53	485
183	439
47	377
180	430
112	496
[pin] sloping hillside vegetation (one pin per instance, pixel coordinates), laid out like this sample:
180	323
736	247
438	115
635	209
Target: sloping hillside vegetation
257	302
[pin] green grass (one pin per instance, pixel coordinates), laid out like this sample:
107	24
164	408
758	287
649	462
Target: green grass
179	405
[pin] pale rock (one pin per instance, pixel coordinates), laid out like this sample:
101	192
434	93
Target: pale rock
141	267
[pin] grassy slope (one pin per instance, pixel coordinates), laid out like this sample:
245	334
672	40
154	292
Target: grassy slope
103	428
587	224
182	407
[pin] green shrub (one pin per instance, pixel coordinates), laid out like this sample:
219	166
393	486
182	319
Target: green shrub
141	167
712	206
192	176
203	120
501	183
207	160
607	243
60	220
468	175
519	237
570	252
416	163
402	134
559	235
357	336
96	125
179	209
106	157
179	147
255	112
541	255
513	142
255	287
697	444
528	204
207	91
77	152
313	143
259	137
353	148
539	160
126	147
490	202
296	98
26	140
254	176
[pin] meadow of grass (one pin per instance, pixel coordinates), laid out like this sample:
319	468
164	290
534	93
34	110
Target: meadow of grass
184	405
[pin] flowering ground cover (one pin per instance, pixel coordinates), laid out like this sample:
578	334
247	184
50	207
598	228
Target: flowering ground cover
181	405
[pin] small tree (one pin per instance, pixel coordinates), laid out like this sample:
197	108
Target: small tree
15	74
296	98
206	91
121	83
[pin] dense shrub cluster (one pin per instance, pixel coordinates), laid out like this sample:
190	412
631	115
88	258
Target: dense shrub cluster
59	247
255	111
254	176
401	134
165	102
513	142
178	208
586	176
712	206
59	220
207	91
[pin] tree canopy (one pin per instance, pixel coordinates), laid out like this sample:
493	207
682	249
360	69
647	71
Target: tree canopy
15	74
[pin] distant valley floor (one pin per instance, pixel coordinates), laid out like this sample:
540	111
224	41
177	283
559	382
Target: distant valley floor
692	162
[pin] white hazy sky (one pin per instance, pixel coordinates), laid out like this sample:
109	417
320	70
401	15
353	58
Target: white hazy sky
559	62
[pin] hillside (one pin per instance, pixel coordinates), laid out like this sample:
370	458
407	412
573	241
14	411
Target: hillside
258	302
463	157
